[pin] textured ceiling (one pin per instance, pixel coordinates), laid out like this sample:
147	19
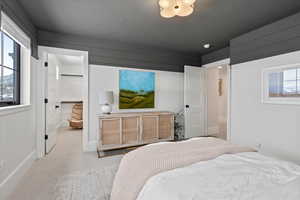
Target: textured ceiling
139	22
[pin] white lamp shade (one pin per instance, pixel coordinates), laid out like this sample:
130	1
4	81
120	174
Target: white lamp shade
106	97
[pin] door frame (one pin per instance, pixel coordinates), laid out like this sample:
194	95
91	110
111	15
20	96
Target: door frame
42	52
229	82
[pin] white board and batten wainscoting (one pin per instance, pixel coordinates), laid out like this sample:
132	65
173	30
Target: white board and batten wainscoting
17	123
272	128
168	93
18	150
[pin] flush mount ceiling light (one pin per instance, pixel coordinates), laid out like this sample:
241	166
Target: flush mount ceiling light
172	8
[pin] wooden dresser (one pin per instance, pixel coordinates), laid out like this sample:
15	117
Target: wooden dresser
121	130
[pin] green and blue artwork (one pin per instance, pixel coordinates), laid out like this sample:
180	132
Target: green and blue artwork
137	89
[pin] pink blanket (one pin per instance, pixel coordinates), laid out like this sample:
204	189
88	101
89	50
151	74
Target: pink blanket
139	165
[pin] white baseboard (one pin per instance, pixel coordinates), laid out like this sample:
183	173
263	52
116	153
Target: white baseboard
8	185
90	146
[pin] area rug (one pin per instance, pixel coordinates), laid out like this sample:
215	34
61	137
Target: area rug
87	185
109	153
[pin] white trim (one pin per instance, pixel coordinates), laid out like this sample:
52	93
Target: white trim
9	183
12	29
217	63
229	95
206	104
283	101
25	77
8	110
91	146
39	111
44	50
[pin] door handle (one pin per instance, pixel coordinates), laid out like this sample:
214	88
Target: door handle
187	106
56	106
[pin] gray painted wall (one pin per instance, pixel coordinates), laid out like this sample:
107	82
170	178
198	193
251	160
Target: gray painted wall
15	11
215	56
277	38
112	53
274	39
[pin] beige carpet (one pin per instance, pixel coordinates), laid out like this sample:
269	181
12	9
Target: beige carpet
66	161
85	185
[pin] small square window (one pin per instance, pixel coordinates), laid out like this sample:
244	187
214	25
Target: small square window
282	84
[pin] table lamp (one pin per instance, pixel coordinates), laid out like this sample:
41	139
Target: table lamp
106	98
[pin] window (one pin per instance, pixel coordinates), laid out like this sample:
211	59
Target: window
9	71
285	83
14	65
282	84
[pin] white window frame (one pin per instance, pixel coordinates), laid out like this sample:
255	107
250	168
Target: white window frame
9	27
266	99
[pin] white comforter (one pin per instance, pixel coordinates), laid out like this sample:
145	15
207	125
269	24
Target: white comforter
242	176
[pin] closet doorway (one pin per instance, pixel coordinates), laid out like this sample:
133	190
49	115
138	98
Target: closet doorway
207	100
218	87
64	90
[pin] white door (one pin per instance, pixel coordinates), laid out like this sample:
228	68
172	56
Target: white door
195	101
52	104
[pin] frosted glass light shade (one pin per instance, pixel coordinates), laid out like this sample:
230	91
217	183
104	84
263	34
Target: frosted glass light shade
171	8
190	2
185	10
167	13
164	3
106	97
177	9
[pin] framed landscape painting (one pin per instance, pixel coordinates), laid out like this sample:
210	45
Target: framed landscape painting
137	89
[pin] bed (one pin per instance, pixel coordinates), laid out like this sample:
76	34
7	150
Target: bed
204	168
